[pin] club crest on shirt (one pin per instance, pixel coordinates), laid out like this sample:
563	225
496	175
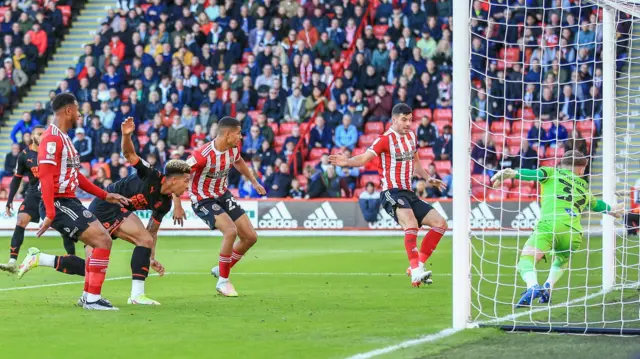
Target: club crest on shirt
51	147
86	214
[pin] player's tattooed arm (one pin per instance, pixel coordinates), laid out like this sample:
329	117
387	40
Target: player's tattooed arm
152	228
128	149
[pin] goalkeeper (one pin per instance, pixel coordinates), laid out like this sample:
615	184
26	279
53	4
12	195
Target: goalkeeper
564	197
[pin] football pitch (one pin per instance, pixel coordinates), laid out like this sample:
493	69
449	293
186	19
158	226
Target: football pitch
302	297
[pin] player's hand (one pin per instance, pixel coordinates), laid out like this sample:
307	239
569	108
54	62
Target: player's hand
179	215
158	267
117	199
261	191
128	126
44	226
434	182
618	210
502	175
9	209
338	160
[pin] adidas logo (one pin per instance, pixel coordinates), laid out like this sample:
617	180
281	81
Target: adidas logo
384	221
528	217
483	218
278	217
323	218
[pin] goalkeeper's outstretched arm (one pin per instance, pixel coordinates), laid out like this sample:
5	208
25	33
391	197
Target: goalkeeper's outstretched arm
522	174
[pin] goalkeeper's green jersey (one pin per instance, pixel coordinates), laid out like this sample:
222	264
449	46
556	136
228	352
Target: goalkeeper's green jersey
564	195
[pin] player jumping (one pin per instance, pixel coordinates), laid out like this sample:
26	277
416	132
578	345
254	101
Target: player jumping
59	171
27	165
399	161
147	189
214	204
564	197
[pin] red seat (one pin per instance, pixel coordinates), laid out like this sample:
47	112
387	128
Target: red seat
380	30
370	178
426	153
127	69
521	127
253	115
3	10
278	141
87	167
414	126
499	127
143	128
374	127
475	137
548	163
275	128
366	140
496	195
478	126
443	114
358	151
478	192
440	125
480	180
419	113
568	125
316	153
145	7
125	93
260	104
6	181
358	192
443	166
287	127
245	57
585	126
313	163
555	152
514	149
514	140
302	180
527	114
66	13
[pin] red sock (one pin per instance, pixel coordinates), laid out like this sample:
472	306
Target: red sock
430	242
86	274
410	235
225	265
97	269
235	258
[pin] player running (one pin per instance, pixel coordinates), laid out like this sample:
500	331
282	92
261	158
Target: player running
399	162
564	197
147	189
214	204
59	171
27	165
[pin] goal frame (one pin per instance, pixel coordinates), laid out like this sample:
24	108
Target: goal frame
461	271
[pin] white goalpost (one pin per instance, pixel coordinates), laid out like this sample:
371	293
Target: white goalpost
533	80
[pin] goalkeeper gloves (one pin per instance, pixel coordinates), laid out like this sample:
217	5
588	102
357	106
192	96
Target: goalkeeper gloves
502	175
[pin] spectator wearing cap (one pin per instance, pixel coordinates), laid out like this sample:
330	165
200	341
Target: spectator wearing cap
83	145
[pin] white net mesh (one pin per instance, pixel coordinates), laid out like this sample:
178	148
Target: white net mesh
537	83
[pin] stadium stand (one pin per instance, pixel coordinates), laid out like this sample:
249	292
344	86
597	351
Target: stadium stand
310	78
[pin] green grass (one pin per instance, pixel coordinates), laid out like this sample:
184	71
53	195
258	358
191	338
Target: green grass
300	298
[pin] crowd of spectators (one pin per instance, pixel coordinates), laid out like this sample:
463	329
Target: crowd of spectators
307	78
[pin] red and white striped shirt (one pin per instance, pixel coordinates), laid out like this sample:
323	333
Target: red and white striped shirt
56	148
209	171
396	154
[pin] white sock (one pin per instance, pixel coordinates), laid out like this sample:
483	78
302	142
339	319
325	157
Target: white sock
531	278
137	288
421	265
222	280
12	261
93	297
84	295
47	260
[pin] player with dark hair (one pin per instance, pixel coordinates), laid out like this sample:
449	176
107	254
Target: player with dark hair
398	162
59	171
27	165
564	198
147	189
214	204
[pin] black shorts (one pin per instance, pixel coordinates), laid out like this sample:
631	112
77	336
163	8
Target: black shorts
402	198
208	209
110	215
72	218
31	205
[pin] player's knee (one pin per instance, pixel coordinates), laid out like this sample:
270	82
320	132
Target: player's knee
144	241
231	232
250	238
441	223
22	221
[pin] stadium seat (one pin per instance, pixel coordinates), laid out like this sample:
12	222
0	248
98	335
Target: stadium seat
478	192
143	128
555	152
496	195
125	93
526	113
275	128
304	127
6	181
500	127
3	9
358	151
366	140
143	140
475	137
66	13
312	163
443	167
480	180
521	127
286	128
514	140
370	178
145	7
316	153
443	114
253	115
514	149
568	125
374	128
358	191
414	126
419	113
585	126
379	31
548	163
127	69
245	57
260	104
278	141
426	153
478	126
86	166
440	125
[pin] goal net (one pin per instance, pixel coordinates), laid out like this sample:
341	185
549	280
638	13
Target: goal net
547	77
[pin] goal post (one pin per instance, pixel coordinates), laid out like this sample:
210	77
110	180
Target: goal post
574	74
